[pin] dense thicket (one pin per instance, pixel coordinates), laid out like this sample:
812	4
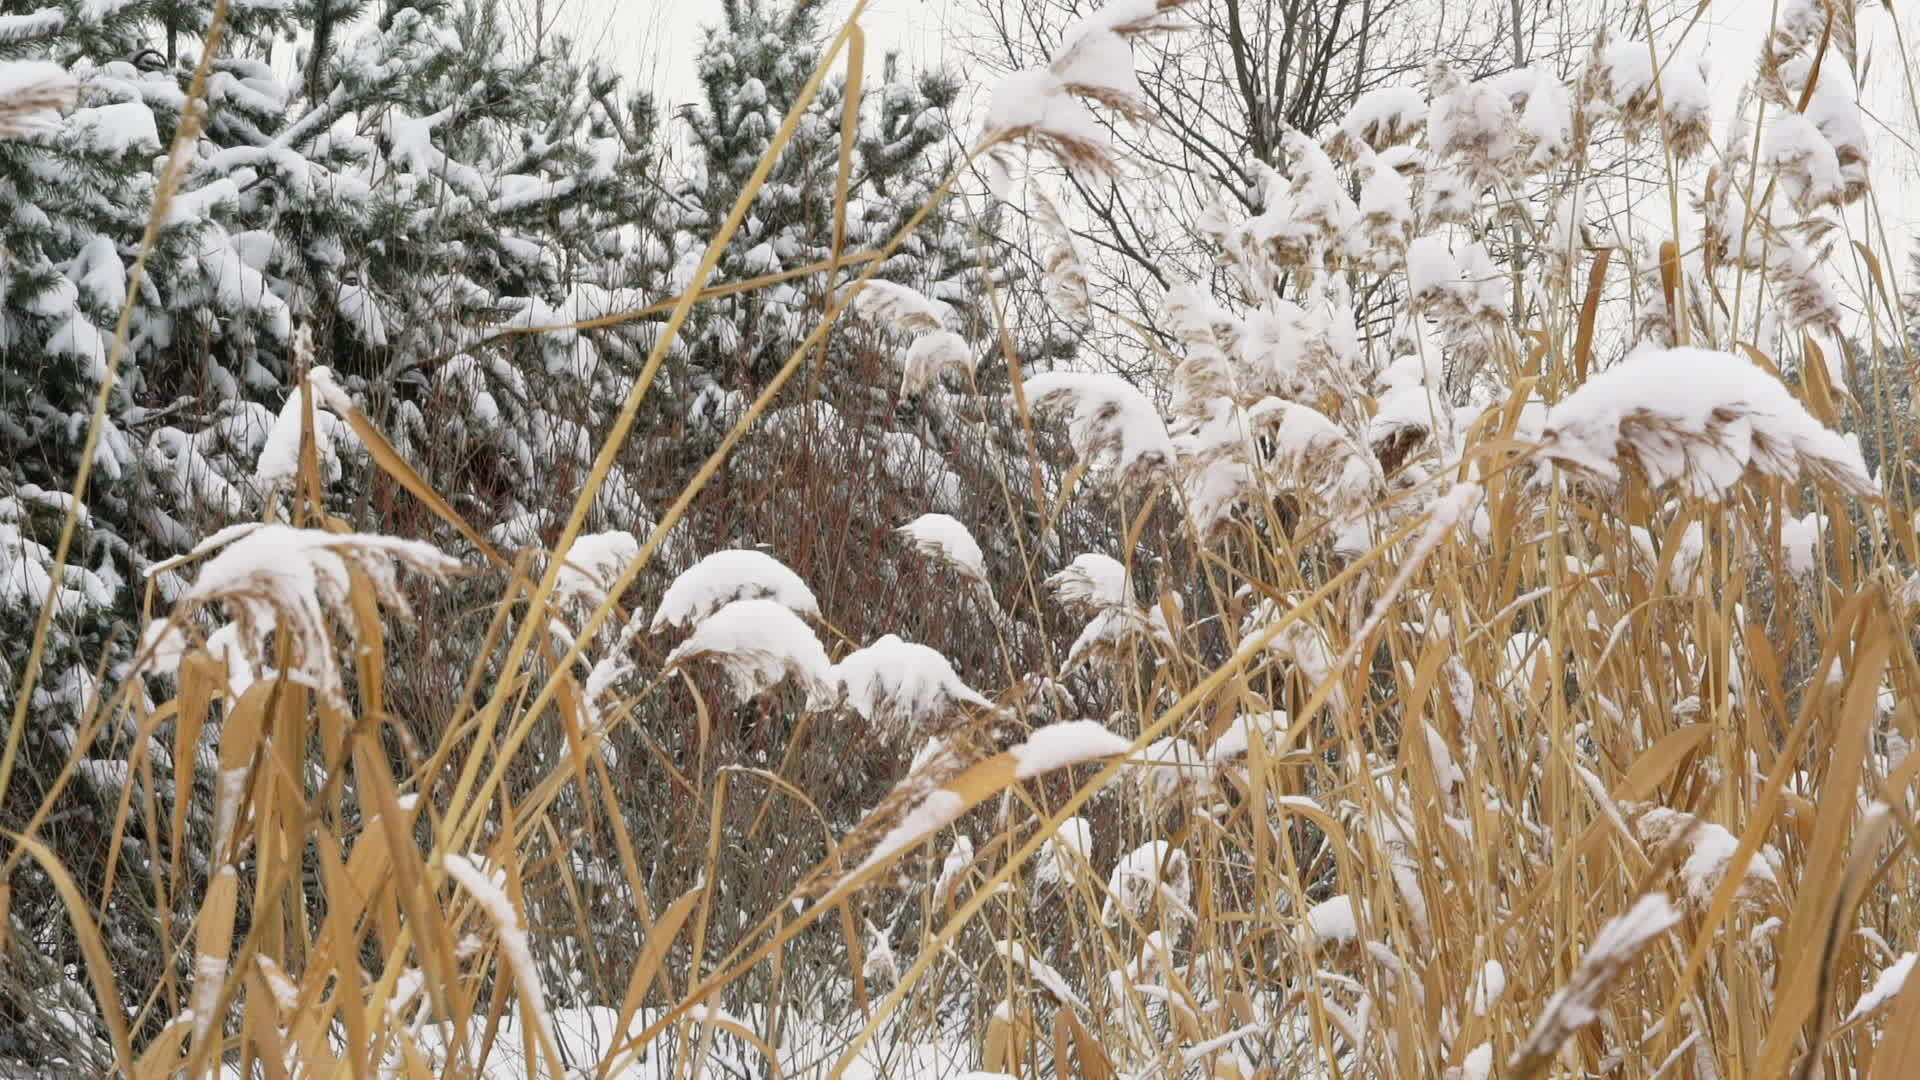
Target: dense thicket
434	198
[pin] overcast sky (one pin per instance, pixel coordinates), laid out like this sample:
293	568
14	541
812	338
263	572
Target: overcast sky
654	41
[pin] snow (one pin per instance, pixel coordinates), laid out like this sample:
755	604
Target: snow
1072	742
1800	541
939	809
593	564
31	91
1547	118
1577	1004
1801	156
1836	113
1154	869
1332	921
329	391
1313	215
163	643
513	937
240	289
1170	767
929	355
1091	583
880	968
815	421
899	682
959	858
1431	268
1629	68
1109	421
1039	971
942	537
1712	849
277	575
905	308
1310	452
361	309
758	643
1889	983
124	127
1112	628
1037	101
99	275
1478	1064
1384	116
915	465
1386	199
1488	987
1237	739
1118	16
726	576
1100	61
1473	120
1699	418
1064	857
1684	90
279	460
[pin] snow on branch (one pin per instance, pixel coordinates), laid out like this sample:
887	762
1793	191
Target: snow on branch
1091	583
904	308
943	537
898	683
1046	107
1108	420
930	354
1701	418
31	93
274	576
1577	1004
726	576
759	643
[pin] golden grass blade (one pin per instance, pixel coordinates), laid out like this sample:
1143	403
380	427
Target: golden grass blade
1091	1059
646	970
663	307
1663	760
998	1054
1825	882
849	139
502	910
1852	888
1589	315
390	461
261	1031
1670	287
1817	384
213	945
1873	268
418	899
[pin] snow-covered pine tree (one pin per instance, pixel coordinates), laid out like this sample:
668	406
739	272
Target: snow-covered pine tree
413	183
411	186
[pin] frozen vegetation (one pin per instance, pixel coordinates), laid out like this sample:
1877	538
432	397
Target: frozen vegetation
497	581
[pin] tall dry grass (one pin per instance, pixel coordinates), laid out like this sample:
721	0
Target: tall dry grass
1547	777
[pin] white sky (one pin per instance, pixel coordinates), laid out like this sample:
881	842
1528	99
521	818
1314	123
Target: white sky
656	40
